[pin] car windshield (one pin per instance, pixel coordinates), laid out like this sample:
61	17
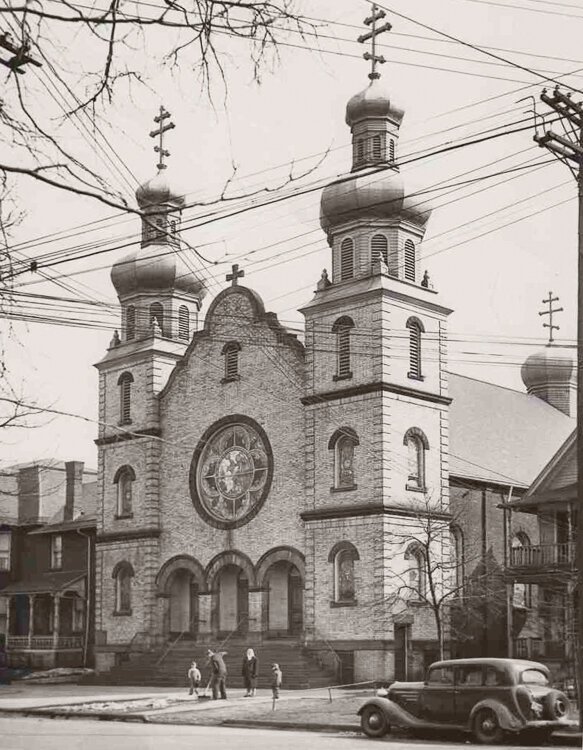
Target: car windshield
534	677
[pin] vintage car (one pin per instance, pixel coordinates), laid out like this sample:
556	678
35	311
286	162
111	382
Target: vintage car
486	697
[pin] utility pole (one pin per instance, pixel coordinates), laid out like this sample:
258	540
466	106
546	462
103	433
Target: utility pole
568	148
20	53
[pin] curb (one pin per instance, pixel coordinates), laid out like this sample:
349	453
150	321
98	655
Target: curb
298	726
53	714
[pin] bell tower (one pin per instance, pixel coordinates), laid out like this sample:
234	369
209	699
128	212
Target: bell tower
160	298
376	401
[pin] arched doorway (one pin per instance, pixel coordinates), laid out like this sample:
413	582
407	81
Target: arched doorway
285	599
233	600
183	593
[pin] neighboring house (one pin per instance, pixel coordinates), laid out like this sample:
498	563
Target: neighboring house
47	539
542	567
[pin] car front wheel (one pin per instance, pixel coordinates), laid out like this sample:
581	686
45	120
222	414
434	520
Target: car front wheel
487	729
373	722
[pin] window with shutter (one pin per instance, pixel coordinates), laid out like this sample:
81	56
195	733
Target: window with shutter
157	314
377	146
409	260
130	323
391	150
231	353
346	259
183	322
125	384
379	248
360	149
415	330
342	329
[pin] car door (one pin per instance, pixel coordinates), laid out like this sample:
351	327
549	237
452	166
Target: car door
437	696
469	690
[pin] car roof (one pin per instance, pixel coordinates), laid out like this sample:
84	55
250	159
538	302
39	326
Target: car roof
492	662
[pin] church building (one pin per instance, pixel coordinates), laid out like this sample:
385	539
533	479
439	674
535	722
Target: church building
256	487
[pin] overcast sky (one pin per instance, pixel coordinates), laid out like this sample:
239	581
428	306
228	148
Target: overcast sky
493	248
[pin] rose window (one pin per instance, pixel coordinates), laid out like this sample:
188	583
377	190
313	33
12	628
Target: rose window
232	473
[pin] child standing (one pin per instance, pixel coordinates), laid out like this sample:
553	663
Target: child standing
276	676
194	678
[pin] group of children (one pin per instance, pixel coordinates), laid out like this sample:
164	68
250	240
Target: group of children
195	677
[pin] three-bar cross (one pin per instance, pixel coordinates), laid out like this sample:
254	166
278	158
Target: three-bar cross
371	21
159	132
550	312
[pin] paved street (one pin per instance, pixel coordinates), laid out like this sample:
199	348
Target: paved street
19	733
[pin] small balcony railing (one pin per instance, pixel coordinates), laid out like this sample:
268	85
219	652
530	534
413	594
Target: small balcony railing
543	555
43	642
537	648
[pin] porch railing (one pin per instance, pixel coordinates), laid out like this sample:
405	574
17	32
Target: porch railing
43	642
537	648
543	555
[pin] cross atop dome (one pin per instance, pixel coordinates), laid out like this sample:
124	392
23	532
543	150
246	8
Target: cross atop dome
376	15
159	133
550	312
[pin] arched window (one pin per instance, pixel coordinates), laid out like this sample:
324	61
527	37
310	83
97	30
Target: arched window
343	556
457	557
122	575
377	146
416	572
416	328
379	248
346	259
231	353
391	150
125	397
183	322
125	477
417	445
130	322
521	592
343	443
409	260
342	328
157	314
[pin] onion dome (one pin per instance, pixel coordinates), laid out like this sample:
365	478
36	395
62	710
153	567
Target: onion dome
550	367
370	196
374	101
157	268
158	191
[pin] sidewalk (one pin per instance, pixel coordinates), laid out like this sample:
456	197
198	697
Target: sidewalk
300	710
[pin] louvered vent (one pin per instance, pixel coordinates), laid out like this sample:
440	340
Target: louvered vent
409	260
346	259
183	322
379	248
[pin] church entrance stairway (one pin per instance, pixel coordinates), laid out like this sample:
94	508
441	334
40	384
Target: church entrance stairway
168	667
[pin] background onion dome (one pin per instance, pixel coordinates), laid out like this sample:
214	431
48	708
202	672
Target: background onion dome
372	195
373	101
551	366
156	268
158	191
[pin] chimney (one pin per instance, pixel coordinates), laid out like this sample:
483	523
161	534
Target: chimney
74	488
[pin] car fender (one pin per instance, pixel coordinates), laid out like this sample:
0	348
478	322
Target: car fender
508	721
394	713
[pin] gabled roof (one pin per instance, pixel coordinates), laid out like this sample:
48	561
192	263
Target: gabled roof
499	435
557	482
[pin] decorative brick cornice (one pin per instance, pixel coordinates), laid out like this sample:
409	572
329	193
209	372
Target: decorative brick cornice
360	390
134	435
128	535
369	509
